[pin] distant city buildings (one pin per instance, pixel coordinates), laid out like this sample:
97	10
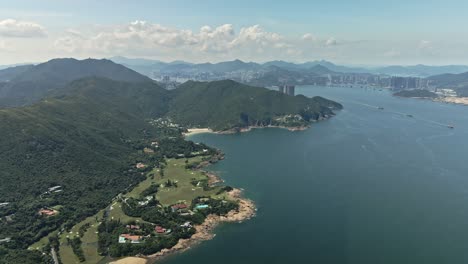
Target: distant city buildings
403	83
268	78
287	89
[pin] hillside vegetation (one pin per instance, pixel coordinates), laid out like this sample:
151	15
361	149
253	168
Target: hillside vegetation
223	105
89	136
29	84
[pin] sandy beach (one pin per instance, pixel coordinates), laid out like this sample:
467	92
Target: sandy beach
130	260
205	231
193	131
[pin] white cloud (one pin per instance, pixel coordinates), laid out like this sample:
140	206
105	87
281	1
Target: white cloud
331	42
309	37
425	44
21	29
143	38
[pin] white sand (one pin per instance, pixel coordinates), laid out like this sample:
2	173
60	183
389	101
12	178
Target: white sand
193	131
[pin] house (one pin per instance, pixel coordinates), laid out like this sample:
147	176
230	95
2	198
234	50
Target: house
148	150
160	229
9	218
187	225
155	144
146	201
3	204
133	227
124	238
55	188
47	212
5	240
177	207
140	165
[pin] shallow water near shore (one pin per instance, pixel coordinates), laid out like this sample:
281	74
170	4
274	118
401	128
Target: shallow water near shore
367	186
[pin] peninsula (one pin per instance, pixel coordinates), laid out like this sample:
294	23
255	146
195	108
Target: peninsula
106	171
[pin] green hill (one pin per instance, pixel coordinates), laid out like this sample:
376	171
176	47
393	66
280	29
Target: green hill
223	105
12	72
89	137
29	84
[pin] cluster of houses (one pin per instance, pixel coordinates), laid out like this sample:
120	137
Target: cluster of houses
136	239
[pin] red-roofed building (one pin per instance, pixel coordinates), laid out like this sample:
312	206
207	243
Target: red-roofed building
47	212
177	207
133	227
160	229
123	238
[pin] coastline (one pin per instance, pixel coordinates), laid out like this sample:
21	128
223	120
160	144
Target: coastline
204	231
453	100
194	131
447	100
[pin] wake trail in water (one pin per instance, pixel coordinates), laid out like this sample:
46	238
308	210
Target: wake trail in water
401	114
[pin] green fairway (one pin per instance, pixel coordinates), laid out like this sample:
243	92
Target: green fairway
185	190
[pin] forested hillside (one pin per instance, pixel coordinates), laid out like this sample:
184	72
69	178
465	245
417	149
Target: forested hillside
91	134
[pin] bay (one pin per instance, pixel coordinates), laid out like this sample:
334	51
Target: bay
366	186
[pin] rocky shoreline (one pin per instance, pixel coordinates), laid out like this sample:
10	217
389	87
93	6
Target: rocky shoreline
204	231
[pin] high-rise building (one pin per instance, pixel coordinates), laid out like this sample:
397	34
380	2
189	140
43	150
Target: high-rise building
290	89
281	89
287	89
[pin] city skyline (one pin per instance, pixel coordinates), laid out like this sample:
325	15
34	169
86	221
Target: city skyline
358	33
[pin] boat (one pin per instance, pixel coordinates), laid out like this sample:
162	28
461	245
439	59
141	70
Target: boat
408	115
380	108
450	126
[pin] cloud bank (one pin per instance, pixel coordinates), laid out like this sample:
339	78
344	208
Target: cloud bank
11	28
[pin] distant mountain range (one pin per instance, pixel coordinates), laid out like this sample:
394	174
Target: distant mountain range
421	70
148	67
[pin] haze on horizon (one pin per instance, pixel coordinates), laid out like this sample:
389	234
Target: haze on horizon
357	33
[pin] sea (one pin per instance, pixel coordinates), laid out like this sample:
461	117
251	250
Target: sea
370	185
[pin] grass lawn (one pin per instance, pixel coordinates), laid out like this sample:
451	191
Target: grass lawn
117	213
185	190
176	172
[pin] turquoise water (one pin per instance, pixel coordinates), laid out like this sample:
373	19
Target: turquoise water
367	186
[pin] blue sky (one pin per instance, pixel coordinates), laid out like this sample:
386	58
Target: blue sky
351	32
